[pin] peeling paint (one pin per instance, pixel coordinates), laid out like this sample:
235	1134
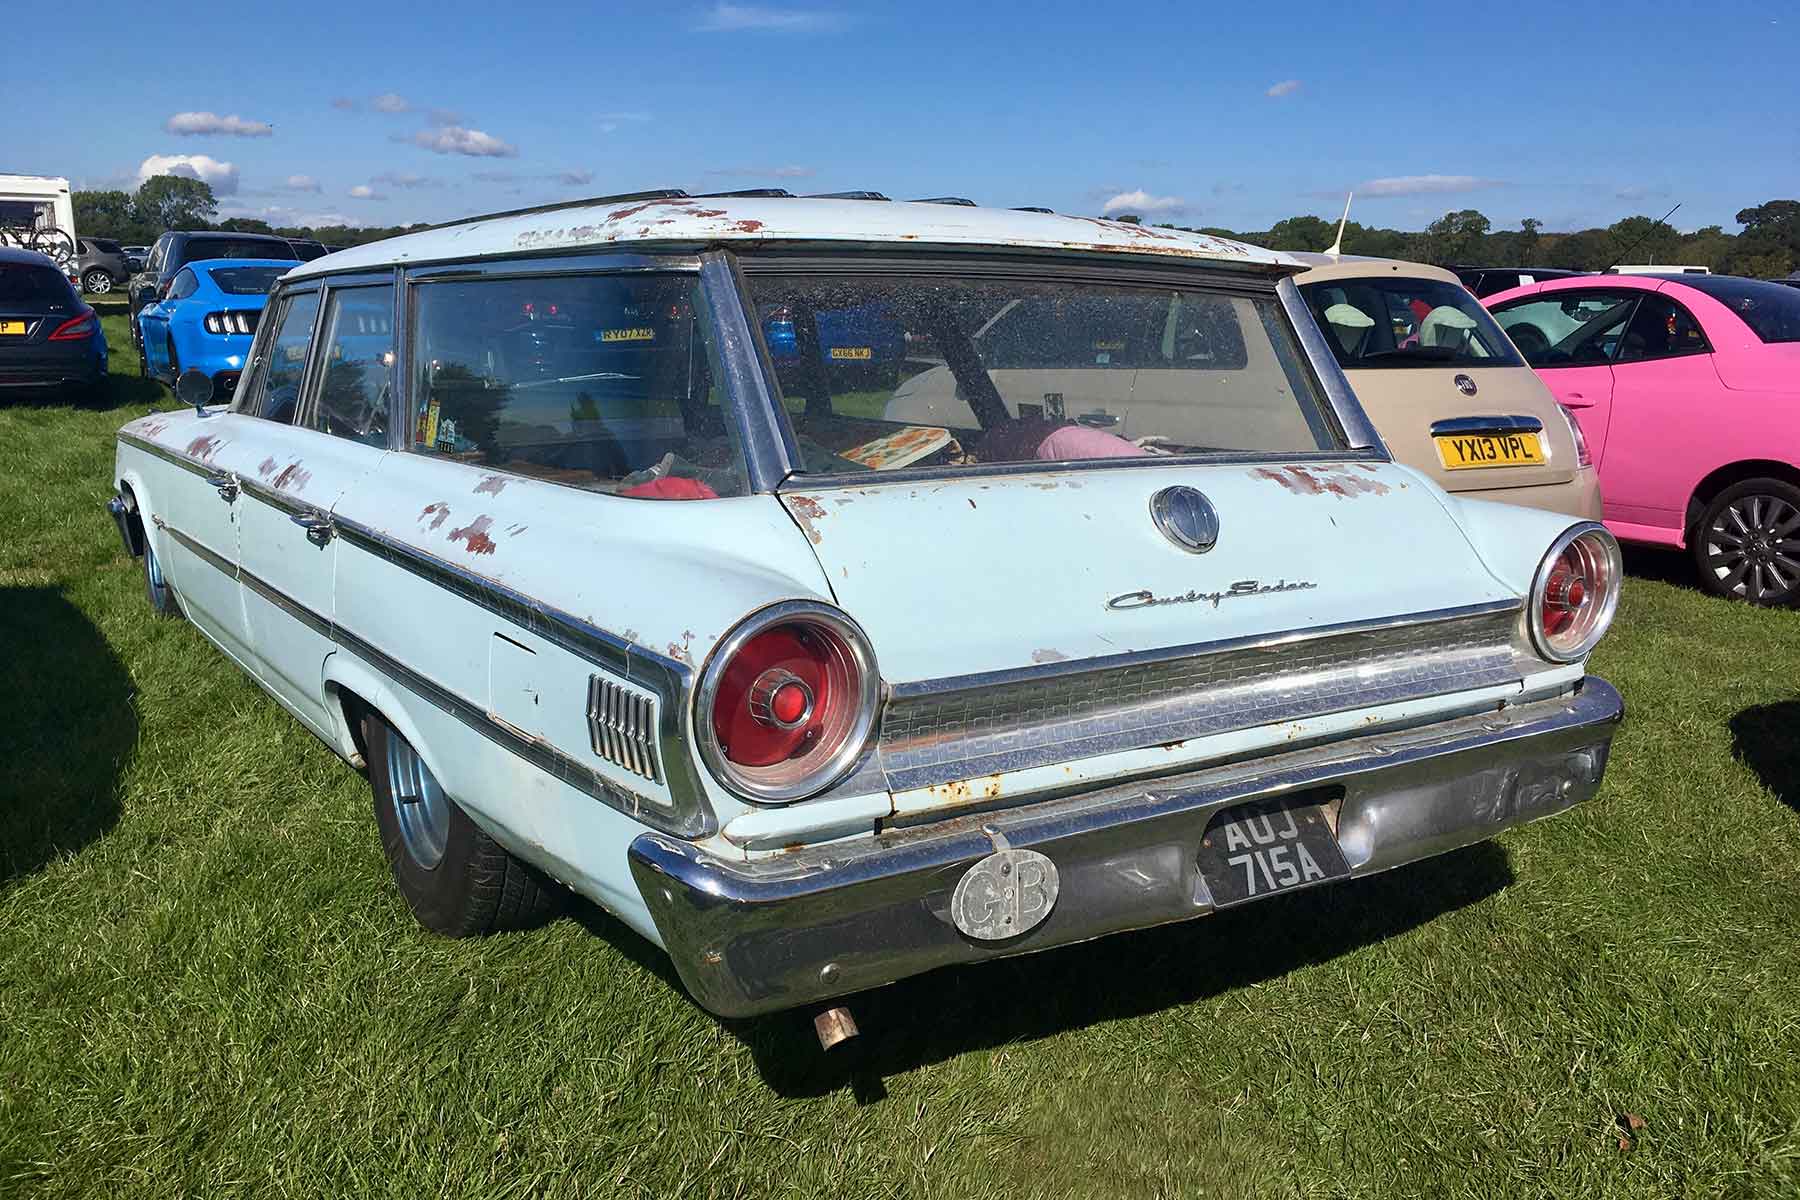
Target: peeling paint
441	511
474	536
1318	481
808	512
204	448
1048	656
291	475
264	467
491	485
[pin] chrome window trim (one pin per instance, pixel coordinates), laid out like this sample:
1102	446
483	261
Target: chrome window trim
863	479
555	263
1358	429
308	409
766	439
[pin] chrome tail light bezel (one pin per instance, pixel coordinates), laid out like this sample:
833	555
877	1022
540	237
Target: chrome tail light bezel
755	784
1597	613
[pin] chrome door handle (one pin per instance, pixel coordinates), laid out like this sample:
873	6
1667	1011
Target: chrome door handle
319	527
227	485
1099	419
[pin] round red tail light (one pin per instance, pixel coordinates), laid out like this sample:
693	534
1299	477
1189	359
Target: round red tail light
787	702
1576	593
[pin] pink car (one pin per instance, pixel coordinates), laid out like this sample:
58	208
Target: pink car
1687	391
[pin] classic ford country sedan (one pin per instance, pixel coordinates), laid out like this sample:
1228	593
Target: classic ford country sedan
522	516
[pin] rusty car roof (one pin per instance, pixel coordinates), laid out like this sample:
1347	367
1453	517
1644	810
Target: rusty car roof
709	220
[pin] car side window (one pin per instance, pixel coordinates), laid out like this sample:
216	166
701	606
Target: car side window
1661	328
285	362
159	254
183	285
356	390
604	382
1569	329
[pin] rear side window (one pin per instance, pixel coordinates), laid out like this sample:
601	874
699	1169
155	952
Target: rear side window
1391	321
604	382
282	364
356	392
28	285
183	285
198	249
1661	328
1770	310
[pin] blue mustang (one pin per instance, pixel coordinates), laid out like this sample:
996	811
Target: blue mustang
206	319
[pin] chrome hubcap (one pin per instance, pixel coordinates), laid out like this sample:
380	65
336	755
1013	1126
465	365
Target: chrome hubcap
1753	548
420	806
100	284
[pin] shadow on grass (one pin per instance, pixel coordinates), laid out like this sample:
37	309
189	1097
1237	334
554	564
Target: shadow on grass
960	1009
1662	564
67	730
1766	739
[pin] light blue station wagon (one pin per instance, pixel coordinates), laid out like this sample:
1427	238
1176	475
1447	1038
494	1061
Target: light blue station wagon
1128	616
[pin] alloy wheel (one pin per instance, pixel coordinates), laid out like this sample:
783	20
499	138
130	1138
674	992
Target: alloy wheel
1752	548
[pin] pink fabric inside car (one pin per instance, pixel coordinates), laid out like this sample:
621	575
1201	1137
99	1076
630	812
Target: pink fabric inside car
1077	441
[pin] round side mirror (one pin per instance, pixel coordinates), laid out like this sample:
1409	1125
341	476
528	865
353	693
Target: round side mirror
194	387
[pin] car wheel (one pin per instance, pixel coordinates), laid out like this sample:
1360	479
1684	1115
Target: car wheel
97	282
156	589
1747	544
1528	338
174	362
456	879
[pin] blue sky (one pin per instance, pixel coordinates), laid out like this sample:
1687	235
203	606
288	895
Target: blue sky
1199	114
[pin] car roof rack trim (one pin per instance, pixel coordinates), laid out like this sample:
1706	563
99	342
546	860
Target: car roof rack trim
621	198
771	193
846	196
956	200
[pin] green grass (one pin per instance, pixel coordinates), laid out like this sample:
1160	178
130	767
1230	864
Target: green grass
209	986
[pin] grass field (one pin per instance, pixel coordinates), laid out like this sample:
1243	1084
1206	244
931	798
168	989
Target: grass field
210	987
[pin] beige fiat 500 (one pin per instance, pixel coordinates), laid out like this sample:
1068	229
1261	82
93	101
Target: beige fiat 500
1445	387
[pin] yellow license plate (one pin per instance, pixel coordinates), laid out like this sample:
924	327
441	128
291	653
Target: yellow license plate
628	335
17	327
852	353
1466	452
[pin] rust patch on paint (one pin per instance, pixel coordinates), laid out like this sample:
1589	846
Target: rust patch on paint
265	466
491	485
746	226
809	513
438	513
204	447
291	475
966	791
474	536
1320	481
1048	656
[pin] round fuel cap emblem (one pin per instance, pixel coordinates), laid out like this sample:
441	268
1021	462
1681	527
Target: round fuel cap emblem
1186	517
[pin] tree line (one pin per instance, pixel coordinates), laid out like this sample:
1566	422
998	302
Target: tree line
1768	247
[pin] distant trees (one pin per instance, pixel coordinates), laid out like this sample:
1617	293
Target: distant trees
160	202
1768	247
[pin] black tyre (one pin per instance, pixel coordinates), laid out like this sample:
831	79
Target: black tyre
174	362
456	879
1747	543
156	589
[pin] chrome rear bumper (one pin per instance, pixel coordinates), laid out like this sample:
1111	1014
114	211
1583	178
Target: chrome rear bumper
756	936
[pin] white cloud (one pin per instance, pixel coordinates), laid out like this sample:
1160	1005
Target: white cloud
363	191
406	179
738	18
1142	203
282	216
221	176
1286	87
388	102
789	172
1423	185
1632	193
454	139
189	124
302	183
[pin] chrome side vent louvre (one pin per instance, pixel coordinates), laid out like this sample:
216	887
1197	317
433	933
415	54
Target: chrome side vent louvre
622	724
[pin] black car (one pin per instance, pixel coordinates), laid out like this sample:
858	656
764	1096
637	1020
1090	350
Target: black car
136	257
308	249
176	249
102	266
49	336
1485	281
